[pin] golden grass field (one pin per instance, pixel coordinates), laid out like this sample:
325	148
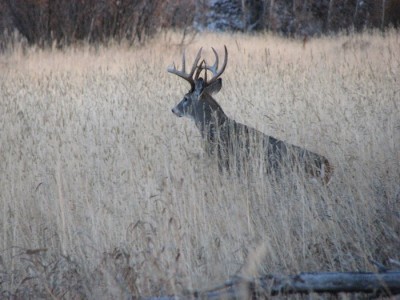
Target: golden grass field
105	193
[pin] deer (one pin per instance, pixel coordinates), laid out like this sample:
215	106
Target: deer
233	144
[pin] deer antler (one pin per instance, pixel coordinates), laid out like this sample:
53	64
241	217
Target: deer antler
214	67
187	76
199	69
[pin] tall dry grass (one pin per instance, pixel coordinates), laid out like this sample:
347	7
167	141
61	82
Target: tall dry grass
105	193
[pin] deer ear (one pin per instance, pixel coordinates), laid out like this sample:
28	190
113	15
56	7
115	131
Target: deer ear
214	88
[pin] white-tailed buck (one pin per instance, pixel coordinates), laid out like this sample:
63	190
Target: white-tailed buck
236	145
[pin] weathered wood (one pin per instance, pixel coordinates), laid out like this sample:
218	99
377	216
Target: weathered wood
387	283
351	282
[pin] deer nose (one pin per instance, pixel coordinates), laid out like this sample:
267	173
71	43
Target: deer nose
176	112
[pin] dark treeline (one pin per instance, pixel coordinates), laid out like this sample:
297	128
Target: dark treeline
63	22
297	17
45	22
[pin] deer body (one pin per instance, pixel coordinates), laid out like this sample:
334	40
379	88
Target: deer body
235	145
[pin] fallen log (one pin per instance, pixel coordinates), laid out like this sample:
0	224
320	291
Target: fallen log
387	284
333	283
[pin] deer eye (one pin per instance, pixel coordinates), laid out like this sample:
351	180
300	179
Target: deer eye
185	99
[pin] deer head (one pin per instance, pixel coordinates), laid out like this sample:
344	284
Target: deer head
198	104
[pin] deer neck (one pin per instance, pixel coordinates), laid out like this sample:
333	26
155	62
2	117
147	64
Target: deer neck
210	117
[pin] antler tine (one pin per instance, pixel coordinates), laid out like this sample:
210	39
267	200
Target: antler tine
205	72
214	67
199	69
196	60
182	73
184	61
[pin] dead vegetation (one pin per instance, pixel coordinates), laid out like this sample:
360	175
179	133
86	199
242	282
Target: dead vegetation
105	193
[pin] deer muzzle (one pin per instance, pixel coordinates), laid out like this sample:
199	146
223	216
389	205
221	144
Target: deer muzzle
176	112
